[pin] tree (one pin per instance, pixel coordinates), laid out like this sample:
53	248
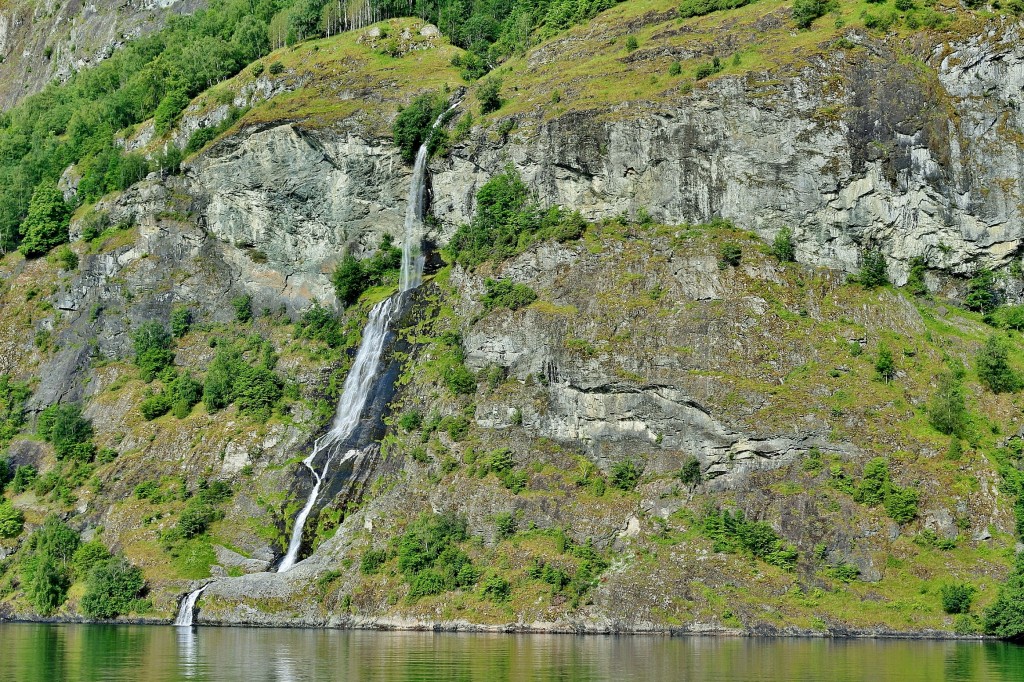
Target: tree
947	411
12	521
46	571
981	292
957	598
885	366
783	247
806	11
152	349
489	94
415	123
46	225
993	366
1005	617
873	270
112	588
70	432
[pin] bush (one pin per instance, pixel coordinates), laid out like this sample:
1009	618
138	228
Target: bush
459	379
46	224
885	366
320	324
981	292
698	8
631	43
846	573
113	588
46	569
675	68
503	293
783	247
947	411
506	216
873	270
12	521
181	321
625	474
152	349
489	94
732	532
156	405
414	124
806	11
88	556
1005	617
411	420
257	390
875	484
372	561
68	430
173	103
901	504
353	276
993	366
429	557
67	259
276	68
504	525
729	256
957	598
185	393
497	589
243	308
690	473
708	69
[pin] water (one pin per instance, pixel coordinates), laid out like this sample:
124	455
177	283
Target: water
359	382
115	653
187	610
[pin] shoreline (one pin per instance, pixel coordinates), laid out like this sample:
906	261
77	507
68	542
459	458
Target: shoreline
466	627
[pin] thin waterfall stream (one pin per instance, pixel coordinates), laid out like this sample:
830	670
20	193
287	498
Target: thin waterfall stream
361	377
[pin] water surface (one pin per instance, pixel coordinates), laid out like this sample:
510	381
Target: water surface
111	653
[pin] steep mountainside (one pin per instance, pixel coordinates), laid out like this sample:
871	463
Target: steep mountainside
686	400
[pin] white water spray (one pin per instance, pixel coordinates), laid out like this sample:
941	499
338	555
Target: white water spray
187	610
359	382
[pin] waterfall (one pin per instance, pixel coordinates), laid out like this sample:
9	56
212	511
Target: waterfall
187	610
360	379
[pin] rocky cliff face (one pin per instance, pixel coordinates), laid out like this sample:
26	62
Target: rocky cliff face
643	347
47	41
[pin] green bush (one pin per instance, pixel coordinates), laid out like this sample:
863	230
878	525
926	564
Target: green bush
806	11
885	365
625	474
372	561
172	104
993	366
352	277
631	43
708	69
981	291
901	504
690	473
12	521
957	598
489	95
46	224
496	589
156	405
947	410
504	525
915	278
46	567
873	270
321	324
846	573
459	379
411	420
181	321
699	8
732	533
112	588
13	396
185	393
1005	617
414	124
70	432
783	246
243	308
152	349
429	556
675	68
503	293
257	391
88	556
729	256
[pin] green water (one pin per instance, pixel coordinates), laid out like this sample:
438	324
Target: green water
72	653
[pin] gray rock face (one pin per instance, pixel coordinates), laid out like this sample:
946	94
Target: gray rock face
303	200
913	162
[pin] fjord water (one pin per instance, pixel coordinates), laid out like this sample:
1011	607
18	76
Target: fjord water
113	653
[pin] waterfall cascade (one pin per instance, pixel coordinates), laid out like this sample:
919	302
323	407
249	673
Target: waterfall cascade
360	380
187	610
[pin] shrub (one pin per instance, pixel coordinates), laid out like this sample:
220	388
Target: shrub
156	405
67	259
276	68
181	321
846	573
113	588
243	308
152	349
414	124
504	525
257	390
993	366
698	8
320	324
170	106
806	11
708	69
875	483
12	521
1005	617
625	474
372	561
459	379
46	573
947	411
489	94
68	430
411	420
497	589
185	393
901	504
873	270
729	256
981	291
783	246
46	224
352	277
690	473
631	43
675	68
957	598
429	557
88	556
885	366
503	293
732	532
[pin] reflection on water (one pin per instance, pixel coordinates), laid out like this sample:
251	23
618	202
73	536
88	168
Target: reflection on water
80	653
